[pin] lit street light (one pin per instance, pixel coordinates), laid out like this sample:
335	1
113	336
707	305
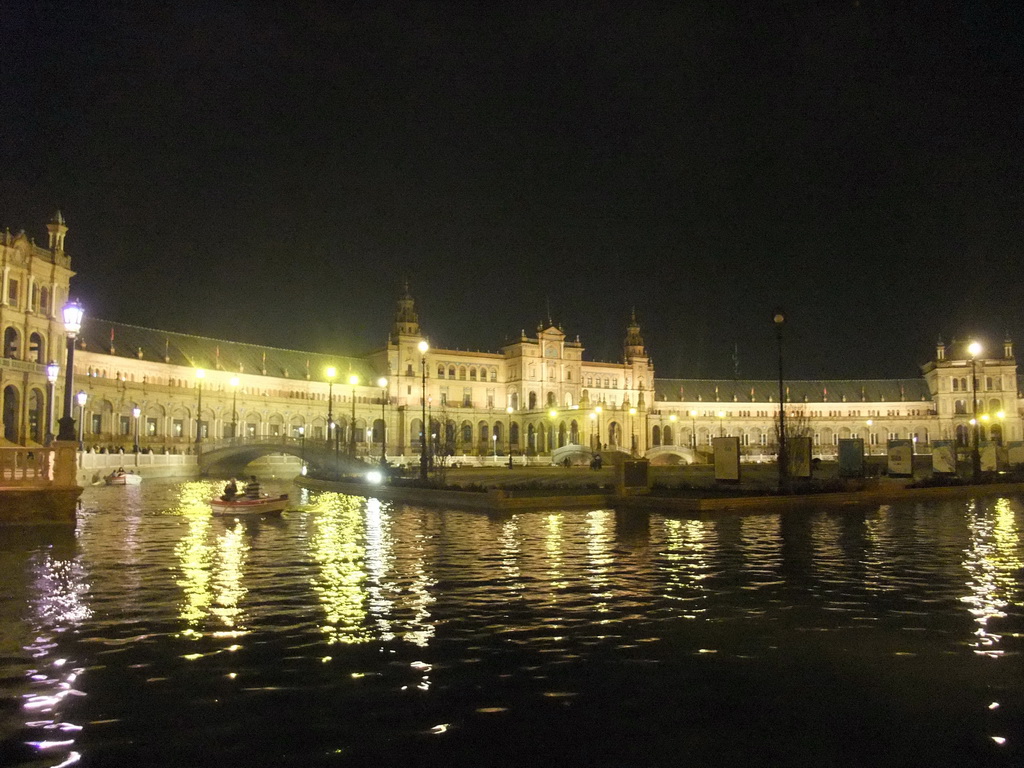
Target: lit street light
423	347
974	348
136	412
52	372
721	423
508	410
779	319
331	372
353	380
632	432
382	382
73	314
693	430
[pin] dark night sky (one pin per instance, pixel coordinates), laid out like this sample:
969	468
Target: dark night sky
271	172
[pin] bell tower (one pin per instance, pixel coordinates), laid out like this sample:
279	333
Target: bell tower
407	322
57	230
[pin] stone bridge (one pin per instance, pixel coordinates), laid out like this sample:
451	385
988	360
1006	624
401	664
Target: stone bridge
230	455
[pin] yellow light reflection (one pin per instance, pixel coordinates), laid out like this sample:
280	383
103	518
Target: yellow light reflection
231	554
340	553
762	548
686	552
195	556
600	541
511	550
553	547
994	567
379	562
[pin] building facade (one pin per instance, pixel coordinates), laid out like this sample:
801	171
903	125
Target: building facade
166	391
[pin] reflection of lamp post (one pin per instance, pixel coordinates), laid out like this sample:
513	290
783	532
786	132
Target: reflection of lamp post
52	372
383	384
632	433
73	313
508	410
200	375
353	380
423	347
974	348
779	319
331	372
234	407
693	429
136	412
82	398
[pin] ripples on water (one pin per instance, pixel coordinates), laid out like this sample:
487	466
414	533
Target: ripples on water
357	632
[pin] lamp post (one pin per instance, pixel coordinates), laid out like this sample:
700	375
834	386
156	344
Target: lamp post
52	372
353	380
721	423
869	422
632	432
200	375
382	382
82	398
598	409
234	407
494	444
779	319
331	372
423	347
693	429
136	412
508	410
73	313
974	348
302	449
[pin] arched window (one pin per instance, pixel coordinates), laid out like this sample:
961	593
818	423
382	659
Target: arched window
568	375
656	435
956	385
960	406
485	432
440	371
667	435
44	301
552	402
462	373
533	401
472	374
574	432
451	371
467	433
494	374
513	432
11	343
36	348
988	383
961	434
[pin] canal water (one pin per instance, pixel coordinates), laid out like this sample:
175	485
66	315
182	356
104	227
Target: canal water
357	633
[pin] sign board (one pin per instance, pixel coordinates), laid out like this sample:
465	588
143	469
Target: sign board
635	473
851	457
901	457
727	458
1015	453
798	450
944	456
989	457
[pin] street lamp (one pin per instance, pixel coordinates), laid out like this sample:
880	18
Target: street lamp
721	423
136	412
632	433
302	449
423	347
200	375
52	372
508	410
494	444
382	382
974	348
779	319
82	398
598	409
73	313
353	380
693	429
234	407
331	372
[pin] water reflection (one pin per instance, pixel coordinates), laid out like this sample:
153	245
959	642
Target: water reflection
992	562
600	538
58	598
687	546
340	553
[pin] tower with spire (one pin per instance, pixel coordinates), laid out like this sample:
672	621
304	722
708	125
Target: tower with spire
57	229
407	322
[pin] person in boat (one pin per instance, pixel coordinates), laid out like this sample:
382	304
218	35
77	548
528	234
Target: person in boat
119	472
230	490
252	488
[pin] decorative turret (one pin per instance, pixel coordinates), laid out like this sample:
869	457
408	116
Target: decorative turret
407	322
940	350
1008	347
57	231
633	346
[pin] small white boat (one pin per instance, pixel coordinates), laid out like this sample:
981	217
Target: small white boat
242	506
120	477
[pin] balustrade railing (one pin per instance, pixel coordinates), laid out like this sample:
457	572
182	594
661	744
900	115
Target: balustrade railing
26	467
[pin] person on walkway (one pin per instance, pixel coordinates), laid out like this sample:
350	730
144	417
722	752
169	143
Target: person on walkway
252	488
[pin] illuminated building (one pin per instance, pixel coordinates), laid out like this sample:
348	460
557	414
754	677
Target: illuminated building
552	390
